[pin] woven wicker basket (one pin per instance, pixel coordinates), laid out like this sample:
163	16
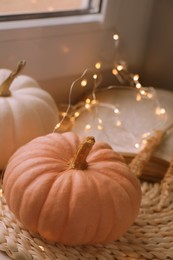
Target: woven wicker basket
150	237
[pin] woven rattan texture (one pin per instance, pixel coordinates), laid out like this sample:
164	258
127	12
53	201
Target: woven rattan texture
150	237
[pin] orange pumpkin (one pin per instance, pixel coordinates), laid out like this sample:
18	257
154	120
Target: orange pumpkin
71	192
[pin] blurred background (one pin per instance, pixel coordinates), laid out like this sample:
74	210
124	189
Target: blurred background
59	41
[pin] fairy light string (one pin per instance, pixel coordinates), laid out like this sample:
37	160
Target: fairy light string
92	105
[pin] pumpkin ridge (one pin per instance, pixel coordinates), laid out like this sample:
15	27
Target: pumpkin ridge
68	212
37	98
42	207
99	214
122	185
115	211
34	111
13	119
105	153
69	138
103	239
7	179
18	179
131	178
27	160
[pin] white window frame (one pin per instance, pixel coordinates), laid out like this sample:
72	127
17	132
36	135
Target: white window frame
60	48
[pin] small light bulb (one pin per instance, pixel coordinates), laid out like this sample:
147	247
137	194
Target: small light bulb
87	106
88	127
144	142
136	77
0	193
76	114
84	83
143	92
145	135
149	95
137	145
64	113
87	101
116	111
100	120
57	126
98	65
118	123
99	127
162	111
115	72
138	85
120	67
95	76
41	247
116	37
94	101
138	97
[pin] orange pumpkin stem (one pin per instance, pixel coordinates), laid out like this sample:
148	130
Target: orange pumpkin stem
79	162
5	86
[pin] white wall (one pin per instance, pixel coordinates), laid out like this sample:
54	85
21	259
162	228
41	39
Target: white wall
57	51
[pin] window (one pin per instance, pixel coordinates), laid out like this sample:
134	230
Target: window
29	9
58	49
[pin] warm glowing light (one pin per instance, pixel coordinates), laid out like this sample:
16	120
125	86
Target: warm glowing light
116	111
88	127
136	77
144	142
149	95
145	135
100	120
137	145
83	82
57	126
98	65
143	92
160	111
138	97
120	67
87	106
0	193
64	113
76	114
41	247
115	72
99	127
94	101
138	85
118	123
87	101
116	37
95	76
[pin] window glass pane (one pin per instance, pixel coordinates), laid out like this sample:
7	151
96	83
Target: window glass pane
18	9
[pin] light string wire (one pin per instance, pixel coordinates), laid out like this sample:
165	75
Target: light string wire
120	71
95	76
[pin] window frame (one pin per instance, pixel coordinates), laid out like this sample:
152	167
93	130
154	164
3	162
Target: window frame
52	14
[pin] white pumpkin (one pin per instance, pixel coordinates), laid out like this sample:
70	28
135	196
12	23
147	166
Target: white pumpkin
26	111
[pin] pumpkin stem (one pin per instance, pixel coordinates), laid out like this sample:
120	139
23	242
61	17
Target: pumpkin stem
4	87
79	162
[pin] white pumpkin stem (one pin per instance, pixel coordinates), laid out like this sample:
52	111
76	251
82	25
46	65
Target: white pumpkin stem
5	86
79	162
140	160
